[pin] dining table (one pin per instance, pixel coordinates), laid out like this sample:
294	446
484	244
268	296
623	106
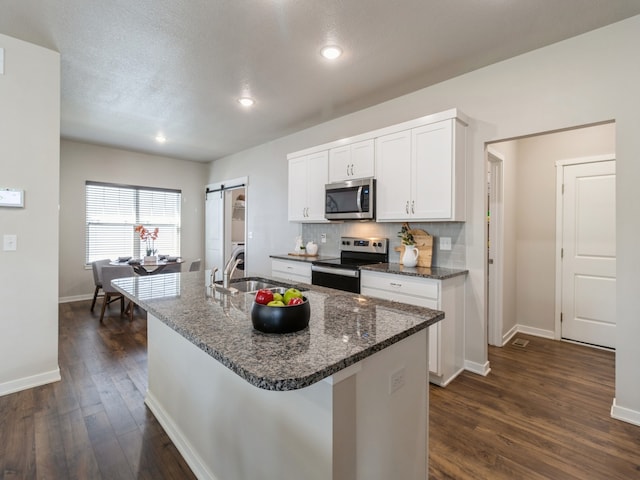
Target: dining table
144	268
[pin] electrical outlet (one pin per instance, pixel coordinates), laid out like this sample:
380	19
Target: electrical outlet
250	235
323	238
445	243
396	381
10	243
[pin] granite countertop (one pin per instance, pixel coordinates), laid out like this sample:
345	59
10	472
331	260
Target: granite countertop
304	258
437	273
344	328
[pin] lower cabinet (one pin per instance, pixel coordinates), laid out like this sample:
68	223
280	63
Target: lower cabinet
446	338
291	270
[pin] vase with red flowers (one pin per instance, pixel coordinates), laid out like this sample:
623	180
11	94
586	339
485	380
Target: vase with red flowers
149	237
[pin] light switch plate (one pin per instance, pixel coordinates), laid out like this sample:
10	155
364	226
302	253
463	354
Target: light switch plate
10	243
323	238
445	243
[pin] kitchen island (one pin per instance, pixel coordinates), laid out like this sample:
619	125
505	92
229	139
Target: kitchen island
345	398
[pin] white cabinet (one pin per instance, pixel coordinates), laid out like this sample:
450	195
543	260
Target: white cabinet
446	338
291	270
421	173
308	175
393	167
352	161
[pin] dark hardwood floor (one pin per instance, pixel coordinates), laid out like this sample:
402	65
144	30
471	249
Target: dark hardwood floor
93	424
542	413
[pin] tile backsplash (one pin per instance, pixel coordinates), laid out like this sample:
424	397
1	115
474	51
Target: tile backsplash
454	258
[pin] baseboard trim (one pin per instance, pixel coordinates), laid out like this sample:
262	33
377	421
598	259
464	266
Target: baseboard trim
625	414
75	298
506	338
26	383
479	368
537	332
190	456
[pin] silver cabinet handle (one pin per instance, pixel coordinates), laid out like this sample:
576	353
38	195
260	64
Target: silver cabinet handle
413	206
406	208
352	169
347	169
393	284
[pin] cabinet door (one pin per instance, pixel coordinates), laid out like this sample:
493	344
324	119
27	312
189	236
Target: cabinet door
362	159
339	163
355	160
432	161
297	189
393	176
317	178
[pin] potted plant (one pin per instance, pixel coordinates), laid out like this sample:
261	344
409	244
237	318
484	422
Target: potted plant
149	236
409	257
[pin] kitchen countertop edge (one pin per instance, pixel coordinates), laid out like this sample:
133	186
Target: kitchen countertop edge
436	273
300	258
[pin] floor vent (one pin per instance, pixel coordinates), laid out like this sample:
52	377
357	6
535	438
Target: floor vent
520	342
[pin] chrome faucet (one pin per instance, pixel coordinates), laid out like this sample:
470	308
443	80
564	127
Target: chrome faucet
236	258
229	270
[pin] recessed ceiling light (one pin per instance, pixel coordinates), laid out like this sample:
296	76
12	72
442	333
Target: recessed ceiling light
160	138
246	101
331	52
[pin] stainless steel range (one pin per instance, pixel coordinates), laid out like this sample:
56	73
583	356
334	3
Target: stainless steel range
344	273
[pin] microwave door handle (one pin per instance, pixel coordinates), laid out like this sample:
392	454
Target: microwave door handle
359	201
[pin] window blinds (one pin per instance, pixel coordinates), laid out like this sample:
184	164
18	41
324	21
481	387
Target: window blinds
113	210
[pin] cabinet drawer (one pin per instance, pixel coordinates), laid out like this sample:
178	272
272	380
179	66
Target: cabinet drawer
401	284
291	270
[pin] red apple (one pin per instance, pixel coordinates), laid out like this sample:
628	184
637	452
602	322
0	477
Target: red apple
264	296
295	301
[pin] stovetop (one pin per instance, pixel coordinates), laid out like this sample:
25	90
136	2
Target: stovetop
355	251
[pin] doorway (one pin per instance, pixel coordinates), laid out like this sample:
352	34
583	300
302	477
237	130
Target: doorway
226	224
529	300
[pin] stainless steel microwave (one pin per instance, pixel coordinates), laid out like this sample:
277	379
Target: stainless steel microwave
350	200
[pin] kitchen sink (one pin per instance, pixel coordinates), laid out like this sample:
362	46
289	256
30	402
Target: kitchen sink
253	284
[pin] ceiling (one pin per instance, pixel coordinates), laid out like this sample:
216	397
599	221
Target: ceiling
134	68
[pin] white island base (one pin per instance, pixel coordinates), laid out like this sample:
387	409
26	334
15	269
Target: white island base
366	422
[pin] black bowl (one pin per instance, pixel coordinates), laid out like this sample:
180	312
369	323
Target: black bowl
287	319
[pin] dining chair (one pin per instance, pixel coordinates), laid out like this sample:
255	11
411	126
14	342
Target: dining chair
111	272
97	278
172	268
195	266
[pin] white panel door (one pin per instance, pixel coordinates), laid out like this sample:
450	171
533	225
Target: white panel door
589	253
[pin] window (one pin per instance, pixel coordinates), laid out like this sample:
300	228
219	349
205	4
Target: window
113	211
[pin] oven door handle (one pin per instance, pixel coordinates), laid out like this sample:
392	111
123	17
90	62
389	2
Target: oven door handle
343	272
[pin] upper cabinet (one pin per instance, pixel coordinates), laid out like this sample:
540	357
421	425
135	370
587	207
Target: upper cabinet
308	175
421	173
419	167
352	161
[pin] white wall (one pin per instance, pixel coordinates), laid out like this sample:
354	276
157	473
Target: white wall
80	162
29	160
584	80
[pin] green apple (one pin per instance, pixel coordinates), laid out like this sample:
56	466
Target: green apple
291	293
278	297
275	303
